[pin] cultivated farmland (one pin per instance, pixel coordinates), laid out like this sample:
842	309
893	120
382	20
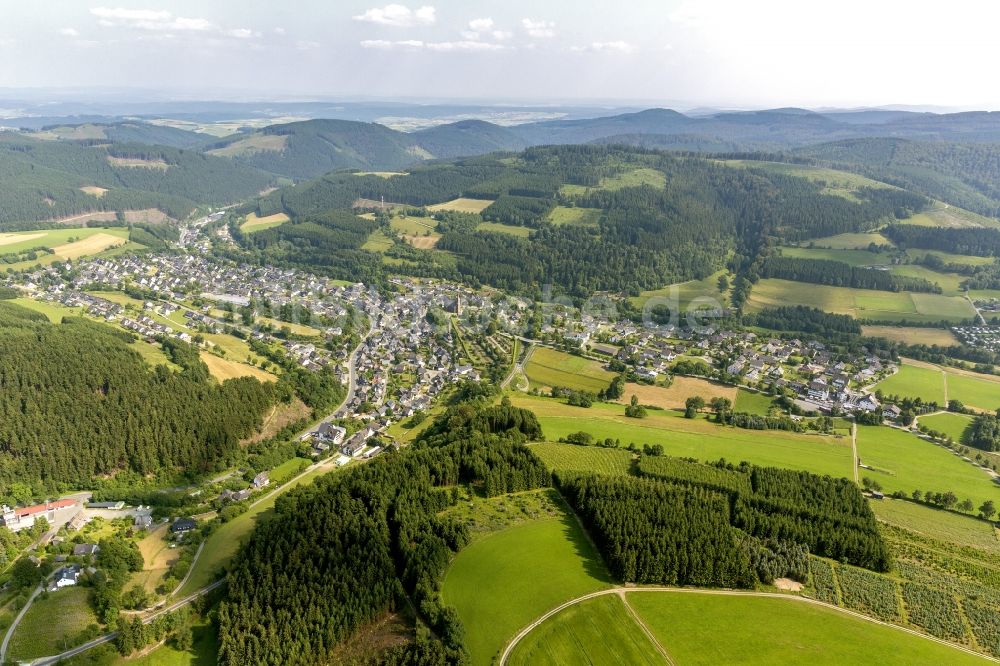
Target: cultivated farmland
680	389
584	459
938	523
254	224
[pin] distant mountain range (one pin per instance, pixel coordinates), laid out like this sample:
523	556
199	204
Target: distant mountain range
954	157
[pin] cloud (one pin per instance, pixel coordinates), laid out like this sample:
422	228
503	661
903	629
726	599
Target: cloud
502	35
607	47
122	14
539	29
164	23
465	46
399	16
69	32
306	45
279	30
481	24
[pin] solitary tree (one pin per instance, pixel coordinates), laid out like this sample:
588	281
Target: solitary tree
987	510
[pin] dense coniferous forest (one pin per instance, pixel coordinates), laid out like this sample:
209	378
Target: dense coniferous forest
829	516
975	241
840	274
802	319
341	552
652	531
76	402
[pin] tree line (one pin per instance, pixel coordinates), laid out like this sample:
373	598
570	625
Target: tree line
840	274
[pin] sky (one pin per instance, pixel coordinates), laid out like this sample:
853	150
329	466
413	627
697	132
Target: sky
685	53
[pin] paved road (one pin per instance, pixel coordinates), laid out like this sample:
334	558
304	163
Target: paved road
352	372
17	620
46	661
686	590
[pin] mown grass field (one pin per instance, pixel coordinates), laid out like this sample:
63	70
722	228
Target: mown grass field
979	391
52	624
509	229
377	242
702	294
408	224
581	217
695	438
157	557
549	367
945	215
87	241
595	631
937	523
752	403
680	389
860	303
902	461
912	335
851	241
297	329
573	458
712	629
54	311
912	381
253	224
502	582
463	205
834	182
951	424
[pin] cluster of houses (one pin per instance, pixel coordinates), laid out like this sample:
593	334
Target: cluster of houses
259	482
981	337
21	518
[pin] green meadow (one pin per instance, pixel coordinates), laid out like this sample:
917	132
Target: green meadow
937	523
711	629
949	423
915	382
694	438
595	631
502	582
902	461
549	367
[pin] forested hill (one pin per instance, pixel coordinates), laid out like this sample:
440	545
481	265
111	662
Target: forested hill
121	132
965	175
49	180
303	150
308	149
648	218
76	403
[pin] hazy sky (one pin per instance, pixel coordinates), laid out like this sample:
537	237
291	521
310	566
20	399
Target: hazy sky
718	52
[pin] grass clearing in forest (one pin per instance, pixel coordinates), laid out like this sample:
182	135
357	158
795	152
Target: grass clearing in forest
254	224
502	582
850	241
223	369
581	217
377	242
463	205
499	228
157	557
701	294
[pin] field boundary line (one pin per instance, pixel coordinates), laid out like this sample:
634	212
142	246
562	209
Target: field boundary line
645	629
